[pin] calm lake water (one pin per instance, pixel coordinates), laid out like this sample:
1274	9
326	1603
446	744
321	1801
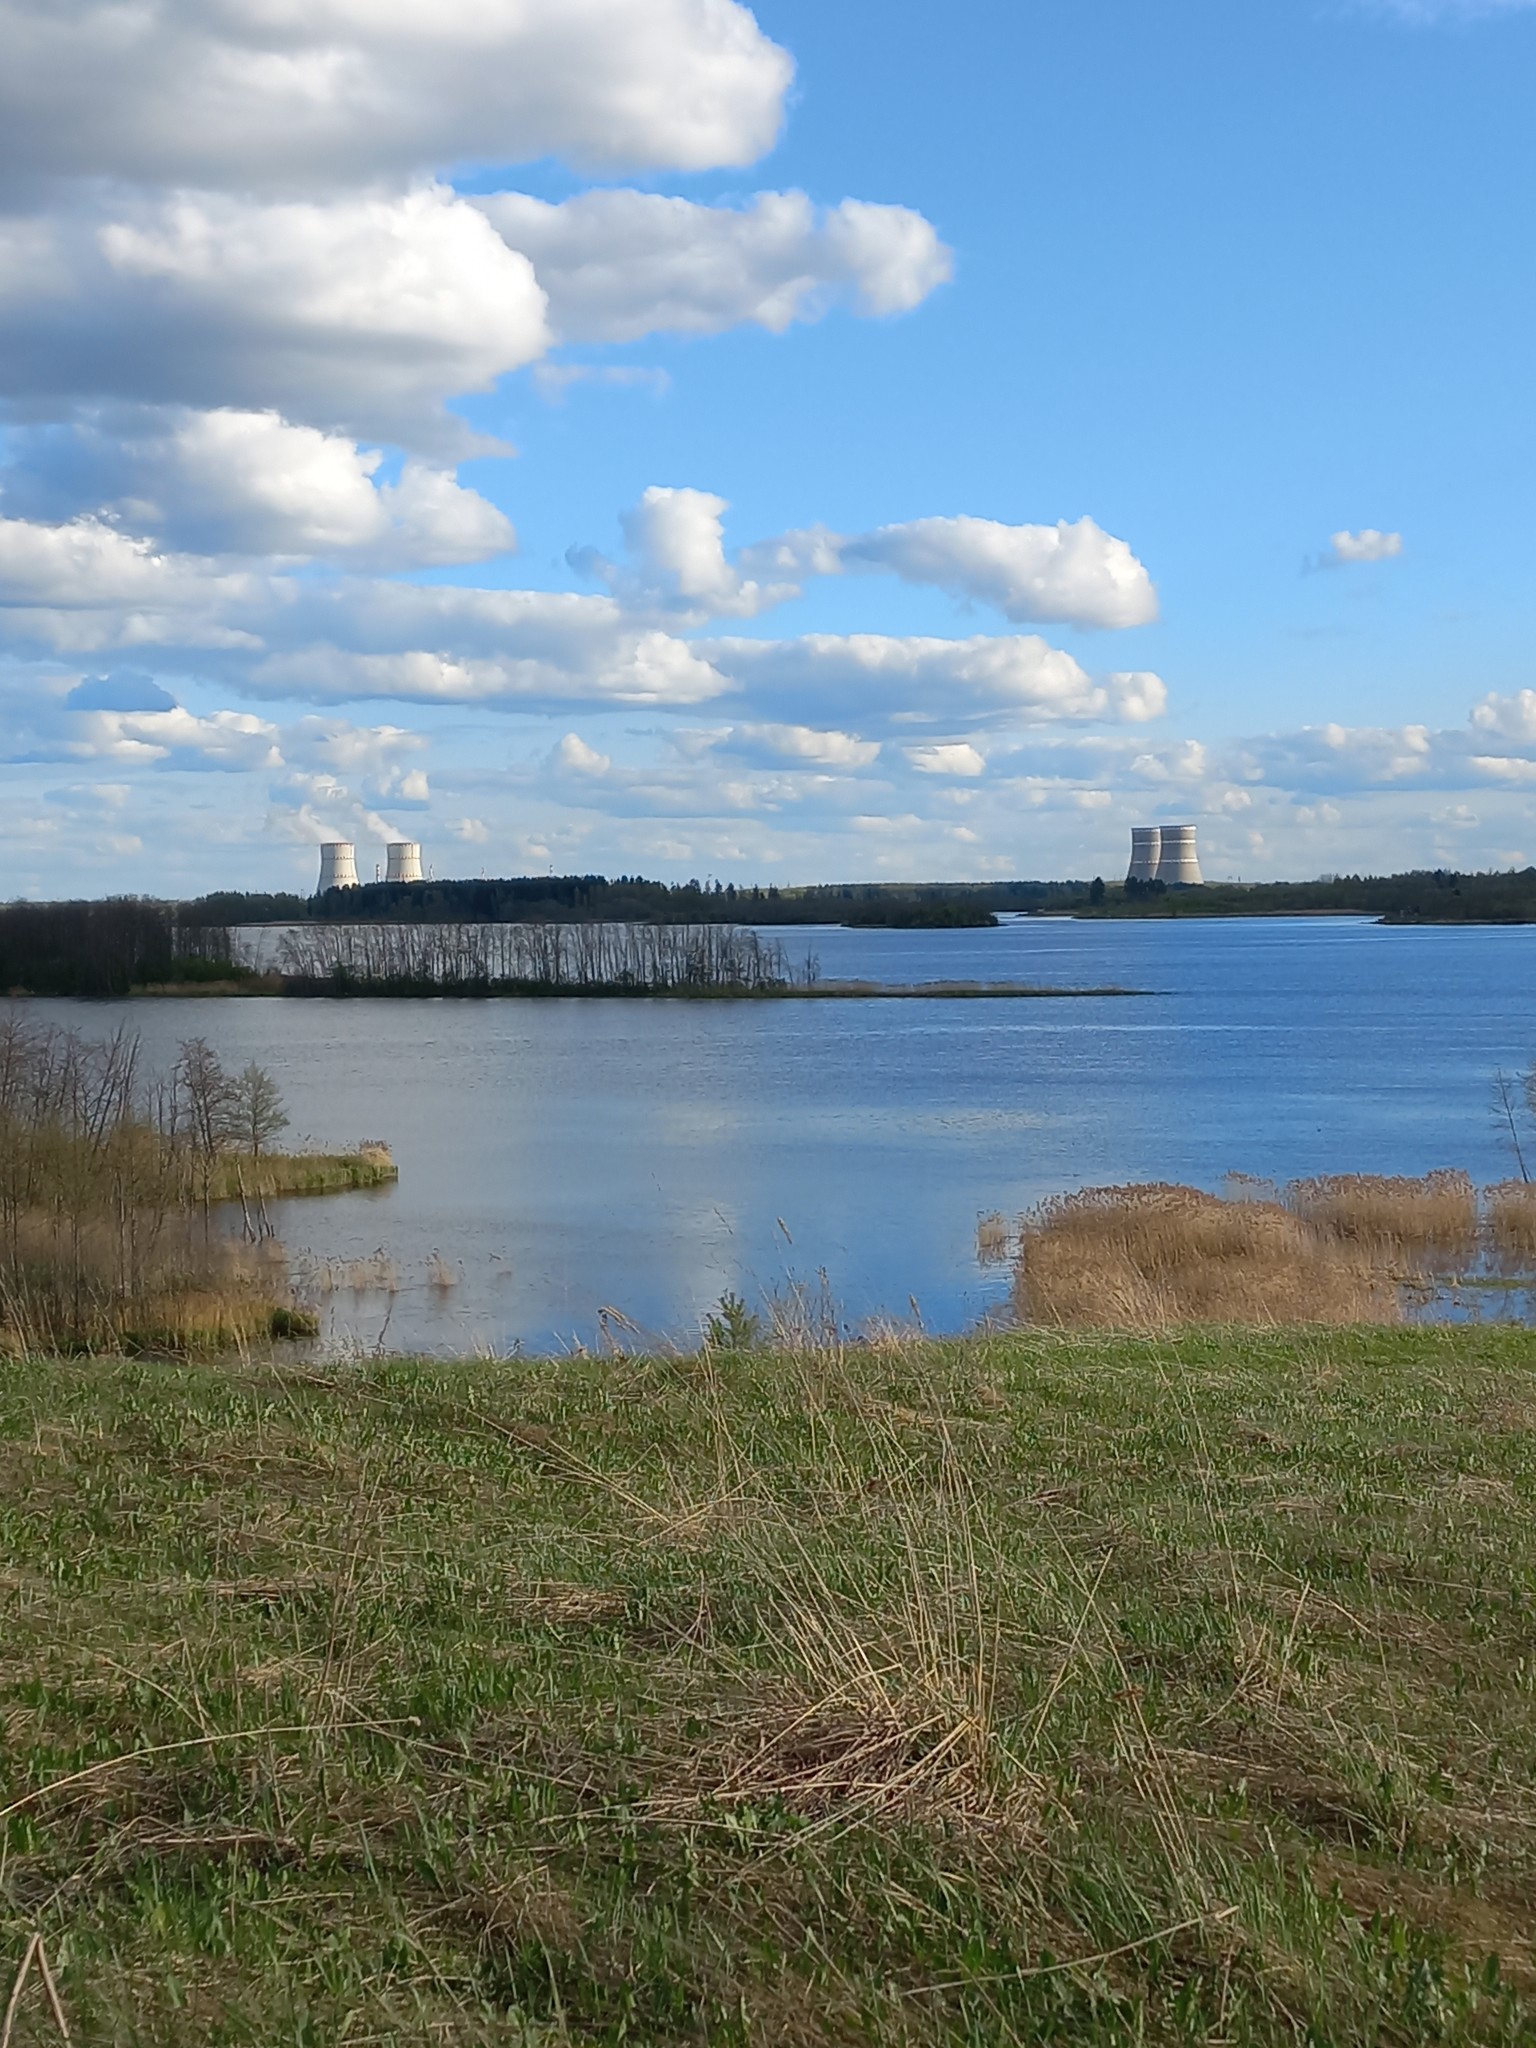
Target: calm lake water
569	1156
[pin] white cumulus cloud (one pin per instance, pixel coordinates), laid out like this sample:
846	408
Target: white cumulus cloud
575	757
618	265
363	313
950	757
279	95
1070	573
677	559
1513	718
252	483
802	745
868	677
1368	545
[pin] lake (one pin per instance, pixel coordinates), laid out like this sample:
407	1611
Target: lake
566	1157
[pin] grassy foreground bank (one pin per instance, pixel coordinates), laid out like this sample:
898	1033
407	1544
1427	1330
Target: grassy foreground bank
1019	1689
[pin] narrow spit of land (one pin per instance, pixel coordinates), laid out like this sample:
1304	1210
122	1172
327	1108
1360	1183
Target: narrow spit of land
960	991
818	991
1014	1689
237	1176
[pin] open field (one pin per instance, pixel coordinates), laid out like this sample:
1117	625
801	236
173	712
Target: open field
1018	1689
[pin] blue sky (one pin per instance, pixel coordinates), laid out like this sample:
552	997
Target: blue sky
1150	438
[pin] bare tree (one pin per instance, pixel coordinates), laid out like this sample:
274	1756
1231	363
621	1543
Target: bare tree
205	1097
256	1113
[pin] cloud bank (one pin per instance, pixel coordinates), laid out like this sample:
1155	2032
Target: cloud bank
262	262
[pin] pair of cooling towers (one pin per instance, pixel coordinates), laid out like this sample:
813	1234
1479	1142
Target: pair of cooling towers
338	864
1165	853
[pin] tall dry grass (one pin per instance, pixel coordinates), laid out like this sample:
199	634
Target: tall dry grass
1510	1211
1153	1257
1434	1217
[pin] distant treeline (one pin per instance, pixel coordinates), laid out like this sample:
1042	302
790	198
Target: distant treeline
574	899
110	947
1426	896
106	948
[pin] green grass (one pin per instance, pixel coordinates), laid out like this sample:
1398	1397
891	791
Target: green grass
1013	1690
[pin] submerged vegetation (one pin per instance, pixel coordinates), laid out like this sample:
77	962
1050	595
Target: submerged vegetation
108	1181
1009	1690
1336	1249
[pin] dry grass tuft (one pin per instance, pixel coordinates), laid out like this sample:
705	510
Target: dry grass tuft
376	1274
994	1240
1156	1257
1435	1217
1510	1207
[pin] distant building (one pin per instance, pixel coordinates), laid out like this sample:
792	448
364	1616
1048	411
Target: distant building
404	861
1146	847
338	866
1166	854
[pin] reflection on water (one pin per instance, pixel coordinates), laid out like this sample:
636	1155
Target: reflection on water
559	1158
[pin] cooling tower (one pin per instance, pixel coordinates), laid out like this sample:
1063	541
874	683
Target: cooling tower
338	866
1178	864
1146	850
404	862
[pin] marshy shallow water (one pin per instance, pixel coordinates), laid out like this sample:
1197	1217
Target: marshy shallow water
559	1158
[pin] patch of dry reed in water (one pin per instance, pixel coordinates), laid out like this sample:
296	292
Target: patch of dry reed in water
1510	1207
1435	1215
1156	1256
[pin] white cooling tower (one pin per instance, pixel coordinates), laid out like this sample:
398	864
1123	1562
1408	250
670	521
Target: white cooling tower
1146	851
1178	863
404	862
338	866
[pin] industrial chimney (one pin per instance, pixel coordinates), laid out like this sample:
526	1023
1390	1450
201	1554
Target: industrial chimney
404	862
338	866
1146	851
1178	863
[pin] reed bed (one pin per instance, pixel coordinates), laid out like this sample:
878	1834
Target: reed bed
1510	1212
1432	1217
994	1239
1156	1257
1342	1248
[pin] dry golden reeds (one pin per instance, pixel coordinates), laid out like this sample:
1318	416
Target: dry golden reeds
376	1274
994	1239
1432	1218
1154	1257
1510	1208
65	1286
